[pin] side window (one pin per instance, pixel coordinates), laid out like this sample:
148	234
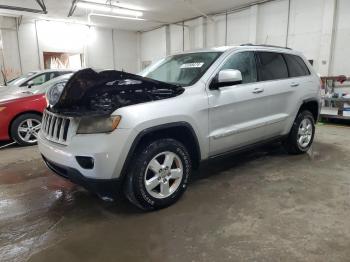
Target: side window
52	75
296	66
272	66
38	80
244	62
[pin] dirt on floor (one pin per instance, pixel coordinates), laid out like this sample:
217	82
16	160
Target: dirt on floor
262	205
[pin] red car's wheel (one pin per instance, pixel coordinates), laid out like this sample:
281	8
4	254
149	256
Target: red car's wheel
25	129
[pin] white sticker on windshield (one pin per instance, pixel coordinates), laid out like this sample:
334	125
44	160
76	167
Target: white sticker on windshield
192	65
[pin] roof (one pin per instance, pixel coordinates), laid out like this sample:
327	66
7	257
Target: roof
244	46
51	70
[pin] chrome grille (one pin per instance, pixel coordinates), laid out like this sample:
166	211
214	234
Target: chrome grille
55	128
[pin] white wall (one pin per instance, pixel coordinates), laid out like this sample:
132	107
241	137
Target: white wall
341	63
99	53
153	45
28	47
176	39
126	53
216	31
238	27
272	23
102	48
10	63
194	38
310	31
305	29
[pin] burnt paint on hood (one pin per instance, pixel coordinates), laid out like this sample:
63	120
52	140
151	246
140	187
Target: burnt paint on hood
90	93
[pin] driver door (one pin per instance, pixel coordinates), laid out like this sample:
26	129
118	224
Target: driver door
237	113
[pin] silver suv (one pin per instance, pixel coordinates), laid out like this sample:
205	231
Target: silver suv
142	135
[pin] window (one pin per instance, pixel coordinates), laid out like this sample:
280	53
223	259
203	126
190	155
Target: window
38	80
20	79
296	66
184	69
272	66
244	62
51	75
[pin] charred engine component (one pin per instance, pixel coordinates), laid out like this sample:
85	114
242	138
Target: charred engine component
89	92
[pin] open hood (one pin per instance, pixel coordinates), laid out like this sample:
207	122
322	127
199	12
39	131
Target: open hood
90	93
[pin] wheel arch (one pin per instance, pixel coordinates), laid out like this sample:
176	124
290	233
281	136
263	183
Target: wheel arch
311	105
181	131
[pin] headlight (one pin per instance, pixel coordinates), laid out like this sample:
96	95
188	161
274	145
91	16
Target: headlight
93	125
2	108
54	93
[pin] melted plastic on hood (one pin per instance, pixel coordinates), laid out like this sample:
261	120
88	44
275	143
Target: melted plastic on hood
90	93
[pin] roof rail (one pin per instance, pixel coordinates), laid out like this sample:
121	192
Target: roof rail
276	46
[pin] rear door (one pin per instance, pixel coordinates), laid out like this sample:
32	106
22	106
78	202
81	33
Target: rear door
281	90
237	113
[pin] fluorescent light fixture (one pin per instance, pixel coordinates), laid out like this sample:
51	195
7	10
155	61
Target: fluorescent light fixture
116	16
109	8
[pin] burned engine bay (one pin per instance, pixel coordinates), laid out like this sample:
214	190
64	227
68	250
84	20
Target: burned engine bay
90	93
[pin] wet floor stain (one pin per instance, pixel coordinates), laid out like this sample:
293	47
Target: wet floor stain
262	205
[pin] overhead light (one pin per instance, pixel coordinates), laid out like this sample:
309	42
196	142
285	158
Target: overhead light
116	16
109	8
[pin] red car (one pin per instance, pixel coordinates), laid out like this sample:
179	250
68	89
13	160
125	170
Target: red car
20	118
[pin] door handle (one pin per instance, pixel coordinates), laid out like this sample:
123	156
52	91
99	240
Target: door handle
294	84
258	90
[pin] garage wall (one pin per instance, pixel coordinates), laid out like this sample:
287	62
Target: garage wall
216	31
272	23
238	27
176	38
28	46
193	34
99	49
341	55
102	48
9	55
153	45
309	31
126	55
305	30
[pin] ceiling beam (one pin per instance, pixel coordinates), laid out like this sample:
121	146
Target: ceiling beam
29	10
22	9
72	8
41	3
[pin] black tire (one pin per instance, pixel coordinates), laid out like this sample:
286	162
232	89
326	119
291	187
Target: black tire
291	143
134	187
14	133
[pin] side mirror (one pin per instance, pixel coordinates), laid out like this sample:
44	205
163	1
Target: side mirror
30	84
226	77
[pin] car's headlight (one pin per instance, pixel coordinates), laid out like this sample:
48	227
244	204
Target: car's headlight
54	93
2	108
93	125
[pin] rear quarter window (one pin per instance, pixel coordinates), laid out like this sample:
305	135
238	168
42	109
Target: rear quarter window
296	66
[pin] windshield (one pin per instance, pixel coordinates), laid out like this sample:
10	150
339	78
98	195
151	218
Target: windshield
18	80
183	69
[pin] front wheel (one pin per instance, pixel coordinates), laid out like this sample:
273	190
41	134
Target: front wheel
25	129
158	175
302	134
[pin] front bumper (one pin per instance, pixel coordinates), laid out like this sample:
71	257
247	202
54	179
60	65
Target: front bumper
108	152
104	188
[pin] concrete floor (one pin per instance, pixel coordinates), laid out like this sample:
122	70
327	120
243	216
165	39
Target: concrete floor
258	206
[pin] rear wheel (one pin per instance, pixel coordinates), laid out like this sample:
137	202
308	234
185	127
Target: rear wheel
158	175
25	129
302	134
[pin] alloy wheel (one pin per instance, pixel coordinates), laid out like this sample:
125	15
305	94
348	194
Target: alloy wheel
163	175
305	133
28	130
